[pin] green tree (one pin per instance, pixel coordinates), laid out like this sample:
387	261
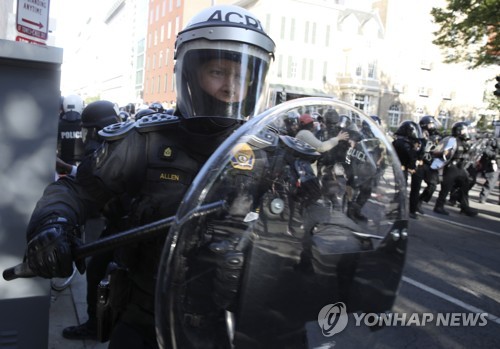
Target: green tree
469	31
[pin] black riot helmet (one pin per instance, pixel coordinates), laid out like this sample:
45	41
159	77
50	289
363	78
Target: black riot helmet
222	59
460	130
95	117
429	123
344	121
410	130
143	112
157	107
99	114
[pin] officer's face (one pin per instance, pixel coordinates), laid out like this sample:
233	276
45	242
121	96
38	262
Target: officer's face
222	79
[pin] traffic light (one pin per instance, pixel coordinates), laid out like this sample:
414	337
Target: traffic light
497	86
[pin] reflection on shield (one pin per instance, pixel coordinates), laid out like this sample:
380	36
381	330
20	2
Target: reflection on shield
288	241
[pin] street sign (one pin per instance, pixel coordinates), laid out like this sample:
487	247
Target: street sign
29	41
33	18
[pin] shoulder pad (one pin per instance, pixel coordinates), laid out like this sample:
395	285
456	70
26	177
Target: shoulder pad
116	131
265	138
299	147
157	121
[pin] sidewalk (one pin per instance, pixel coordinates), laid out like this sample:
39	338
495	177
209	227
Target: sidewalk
68	308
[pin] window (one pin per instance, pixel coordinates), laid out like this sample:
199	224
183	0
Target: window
160	59
359	70
425	64
138	77
311	69
162	33
159	84
167	54
327	36
423	91
292	30
283	28
304	68
280	66
292	68
362	102
169	30
306	33
371	70
313	39
444	118
166	83
394	115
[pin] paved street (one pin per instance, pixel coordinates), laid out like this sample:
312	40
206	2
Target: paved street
452	267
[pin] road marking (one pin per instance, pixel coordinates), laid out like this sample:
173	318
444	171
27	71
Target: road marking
463	225
451	299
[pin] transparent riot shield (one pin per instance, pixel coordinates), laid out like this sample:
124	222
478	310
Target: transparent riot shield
293	230
444	152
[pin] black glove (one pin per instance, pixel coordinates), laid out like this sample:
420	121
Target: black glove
50	252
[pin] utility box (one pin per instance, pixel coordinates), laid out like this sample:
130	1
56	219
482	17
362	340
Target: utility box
29	107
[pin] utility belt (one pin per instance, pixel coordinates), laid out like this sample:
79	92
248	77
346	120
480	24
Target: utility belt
113	293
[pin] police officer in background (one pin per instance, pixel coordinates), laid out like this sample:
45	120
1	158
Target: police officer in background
70	148
220	84
430	176
454	173
489	167
407	144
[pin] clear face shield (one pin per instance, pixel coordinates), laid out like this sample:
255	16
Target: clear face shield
221	79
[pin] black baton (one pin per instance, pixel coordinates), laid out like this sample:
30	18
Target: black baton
111	242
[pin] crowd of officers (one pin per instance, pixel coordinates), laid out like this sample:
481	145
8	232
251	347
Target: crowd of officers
452	161
448	162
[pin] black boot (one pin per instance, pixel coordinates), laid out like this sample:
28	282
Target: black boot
469	211
419	208
441	210
87	330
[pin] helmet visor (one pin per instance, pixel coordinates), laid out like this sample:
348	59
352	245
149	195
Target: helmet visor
221	79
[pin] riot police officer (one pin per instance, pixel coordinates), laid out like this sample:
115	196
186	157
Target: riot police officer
424	172
407	145
220	81
454	174
489	167
69	136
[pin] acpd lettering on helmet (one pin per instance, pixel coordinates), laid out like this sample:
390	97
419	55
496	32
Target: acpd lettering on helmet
235	18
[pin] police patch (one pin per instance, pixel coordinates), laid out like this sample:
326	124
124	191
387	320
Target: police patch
167	152
242	157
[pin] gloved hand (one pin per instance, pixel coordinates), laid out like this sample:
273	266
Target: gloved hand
50	252
228	274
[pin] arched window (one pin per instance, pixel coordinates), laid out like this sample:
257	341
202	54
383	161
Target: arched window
394	115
